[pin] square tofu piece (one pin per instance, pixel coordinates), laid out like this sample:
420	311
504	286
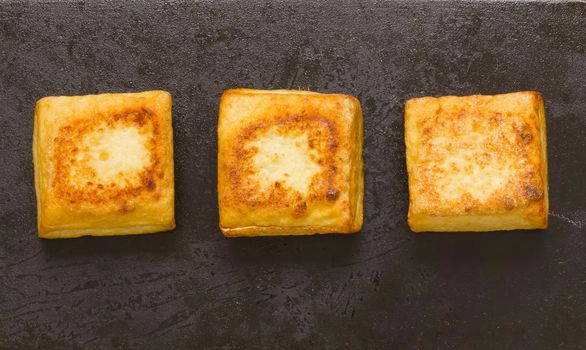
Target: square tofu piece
477	163
104	164
289	163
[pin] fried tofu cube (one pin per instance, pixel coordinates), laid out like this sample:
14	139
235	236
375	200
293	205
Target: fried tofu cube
289	163
104	164
477	163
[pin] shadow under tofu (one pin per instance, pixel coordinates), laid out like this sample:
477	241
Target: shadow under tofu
478	247
159	244
319	250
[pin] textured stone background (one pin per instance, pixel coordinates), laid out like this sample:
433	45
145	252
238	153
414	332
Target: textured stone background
382	288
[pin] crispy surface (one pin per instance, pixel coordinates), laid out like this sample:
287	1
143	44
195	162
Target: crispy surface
104	164
289	162
477	163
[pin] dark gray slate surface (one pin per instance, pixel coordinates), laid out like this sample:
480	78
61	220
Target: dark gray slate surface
383	288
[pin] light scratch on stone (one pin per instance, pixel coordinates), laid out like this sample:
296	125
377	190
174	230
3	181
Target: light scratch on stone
577	223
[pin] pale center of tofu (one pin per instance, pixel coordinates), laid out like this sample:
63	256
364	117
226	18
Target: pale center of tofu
115	155
470	166
285	159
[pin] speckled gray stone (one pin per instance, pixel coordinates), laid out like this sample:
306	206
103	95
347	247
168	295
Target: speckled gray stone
383	288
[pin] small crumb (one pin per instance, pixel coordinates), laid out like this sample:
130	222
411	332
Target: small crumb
333	194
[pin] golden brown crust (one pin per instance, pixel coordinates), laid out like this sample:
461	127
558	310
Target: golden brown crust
261	130
322	137
476	163
67	147
104	164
